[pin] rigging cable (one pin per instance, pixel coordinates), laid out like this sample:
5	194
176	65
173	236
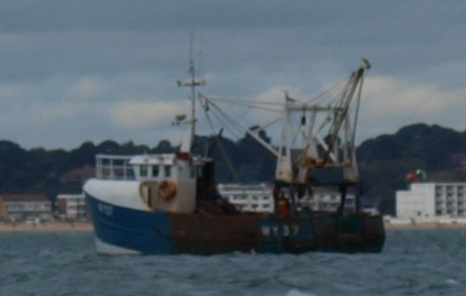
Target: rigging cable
222	149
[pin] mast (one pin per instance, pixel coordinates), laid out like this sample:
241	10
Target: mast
343	119
325	126
284	164
187	144
342	127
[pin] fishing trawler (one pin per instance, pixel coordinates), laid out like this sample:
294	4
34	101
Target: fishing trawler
169	203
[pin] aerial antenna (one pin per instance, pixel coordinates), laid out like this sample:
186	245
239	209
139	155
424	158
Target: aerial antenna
191	61
192	83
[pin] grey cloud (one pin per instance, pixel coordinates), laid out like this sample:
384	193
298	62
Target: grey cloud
137	50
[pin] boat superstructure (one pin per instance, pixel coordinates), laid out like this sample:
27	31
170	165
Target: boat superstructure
169	203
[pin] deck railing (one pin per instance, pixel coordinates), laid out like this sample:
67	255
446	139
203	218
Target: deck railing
115	167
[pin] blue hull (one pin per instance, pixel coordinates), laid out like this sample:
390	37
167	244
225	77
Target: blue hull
143	232
124	230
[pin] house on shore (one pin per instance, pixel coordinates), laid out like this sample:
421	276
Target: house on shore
25	207
72	207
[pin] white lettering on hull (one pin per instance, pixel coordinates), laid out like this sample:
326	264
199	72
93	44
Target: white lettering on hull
105	209
286	230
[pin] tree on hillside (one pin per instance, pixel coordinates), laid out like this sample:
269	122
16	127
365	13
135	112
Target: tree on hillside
385	160
164	146
108	147
84	155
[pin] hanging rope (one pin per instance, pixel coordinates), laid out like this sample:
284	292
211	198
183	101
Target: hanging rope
222	149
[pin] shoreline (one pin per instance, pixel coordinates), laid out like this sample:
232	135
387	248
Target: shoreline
424	226
46	227
87	226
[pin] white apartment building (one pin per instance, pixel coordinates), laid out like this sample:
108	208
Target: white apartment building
259	198
430	200
326	199
248	198
72	206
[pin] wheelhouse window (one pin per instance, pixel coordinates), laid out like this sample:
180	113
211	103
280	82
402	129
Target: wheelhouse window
130	173
143	170
155	170
167	170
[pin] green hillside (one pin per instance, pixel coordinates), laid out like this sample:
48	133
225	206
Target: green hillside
384	162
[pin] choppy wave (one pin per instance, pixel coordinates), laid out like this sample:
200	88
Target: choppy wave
294	292
419	262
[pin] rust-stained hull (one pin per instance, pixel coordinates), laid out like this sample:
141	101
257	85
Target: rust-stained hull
122	230
210	234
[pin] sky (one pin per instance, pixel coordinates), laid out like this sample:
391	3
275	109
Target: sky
77	71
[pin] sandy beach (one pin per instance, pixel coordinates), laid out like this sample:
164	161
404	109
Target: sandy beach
425	225
436	223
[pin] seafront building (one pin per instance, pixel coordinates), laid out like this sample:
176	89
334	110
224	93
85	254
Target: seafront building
259	198
248	198
72	206
25	207
325	199
432	200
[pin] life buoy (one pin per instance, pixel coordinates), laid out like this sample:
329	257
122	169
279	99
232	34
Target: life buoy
167	189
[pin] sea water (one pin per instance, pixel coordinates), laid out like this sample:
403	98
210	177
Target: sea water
413	262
